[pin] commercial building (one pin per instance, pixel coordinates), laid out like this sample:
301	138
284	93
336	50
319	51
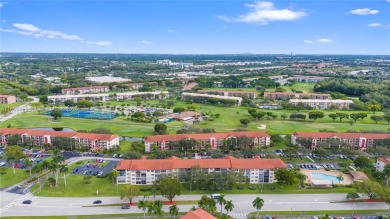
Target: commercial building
361	141
85	90
237	100
249	94
322	104
7	99
381	162
107	79
75	98
93	141
214	140
142	95
291	95
143	171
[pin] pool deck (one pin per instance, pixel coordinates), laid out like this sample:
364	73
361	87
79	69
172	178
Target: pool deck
348	180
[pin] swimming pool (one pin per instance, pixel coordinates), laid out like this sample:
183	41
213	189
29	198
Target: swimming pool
325	177
85	114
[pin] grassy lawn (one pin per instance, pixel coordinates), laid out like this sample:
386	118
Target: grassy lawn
76	188
9	178
349	212
229	120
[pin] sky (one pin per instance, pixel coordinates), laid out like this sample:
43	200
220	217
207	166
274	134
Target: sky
196	27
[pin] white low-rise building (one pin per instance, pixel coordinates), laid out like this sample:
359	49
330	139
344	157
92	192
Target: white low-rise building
381	162
238	100
322	104
143	95
75	98
106	79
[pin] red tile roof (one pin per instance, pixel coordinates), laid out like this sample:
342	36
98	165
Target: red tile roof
385	160
90	136
6	95
190	86
228	91
227	162
203	136
344	135
198	214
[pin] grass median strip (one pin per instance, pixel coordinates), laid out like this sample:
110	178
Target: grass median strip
182	202
323	212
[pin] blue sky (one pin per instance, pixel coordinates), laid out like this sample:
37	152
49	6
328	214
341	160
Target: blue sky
196	27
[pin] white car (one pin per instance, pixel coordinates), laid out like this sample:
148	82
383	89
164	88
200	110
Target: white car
2	164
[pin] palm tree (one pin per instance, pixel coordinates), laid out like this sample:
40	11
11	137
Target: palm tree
64	170
114	174
174	211
28	164
143	204
221	200
386	173
229	206
387	201
151	208
158	205
38	168
340	178
258	204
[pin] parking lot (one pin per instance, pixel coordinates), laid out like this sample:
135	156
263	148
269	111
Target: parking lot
314	166
95	167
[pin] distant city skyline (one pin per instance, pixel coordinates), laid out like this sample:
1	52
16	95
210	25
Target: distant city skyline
196	27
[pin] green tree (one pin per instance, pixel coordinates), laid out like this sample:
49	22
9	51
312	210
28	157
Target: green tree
340	178
386	117
221	201
64	170
291	152
301	179
13	154
353	195
28	164
387	201
143	204
229	206
69	103
244	122
334	116
342	116
179	109
374	107
14	139
208	204
284	177
56	113
376	118
283	116
363	162
174	211
129	192
316	115
386	173
169	188
160	128
370	188
320	153
258	203
84	104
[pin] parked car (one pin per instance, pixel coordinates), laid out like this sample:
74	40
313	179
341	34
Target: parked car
125	207
100	173
97	202
27	202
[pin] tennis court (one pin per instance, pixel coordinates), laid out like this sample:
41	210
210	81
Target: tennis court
85	114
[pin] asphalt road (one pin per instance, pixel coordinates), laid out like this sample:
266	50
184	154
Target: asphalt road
22	108
45	206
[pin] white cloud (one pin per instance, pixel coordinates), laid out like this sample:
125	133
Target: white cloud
374	25
263	13
172	31
324	40
100	43
308	41
34	31
146	42
363	11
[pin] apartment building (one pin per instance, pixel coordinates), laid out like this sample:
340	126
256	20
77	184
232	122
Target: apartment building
322	103
381	162
250	94
142	95
145	172
75	98
94	142
140	85
7	99
238	100
361	141
291	95
214	140
85	90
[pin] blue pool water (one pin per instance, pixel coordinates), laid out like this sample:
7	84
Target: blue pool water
85	114
324	177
